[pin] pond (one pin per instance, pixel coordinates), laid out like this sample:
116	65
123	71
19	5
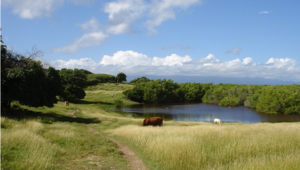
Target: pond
203	112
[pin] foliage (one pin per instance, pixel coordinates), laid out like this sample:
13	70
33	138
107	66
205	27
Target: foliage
94	79
140	80
192	92
24	79
165	91
283	99
160	91
118	103
278	99
266	99
86	71
229	101
121	77
73	82
137	93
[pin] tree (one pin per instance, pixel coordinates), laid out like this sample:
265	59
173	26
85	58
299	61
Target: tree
121	77
24	79
140	80
54	83
73	82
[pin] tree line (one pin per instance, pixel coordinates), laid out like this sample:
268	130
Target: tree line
280	99
28	81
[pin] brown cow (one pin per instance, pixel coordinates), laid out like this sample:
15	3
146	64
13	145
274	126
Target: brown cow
155	121
66	103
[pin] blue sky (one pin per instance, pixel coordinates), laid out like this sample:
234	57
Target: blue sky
232	38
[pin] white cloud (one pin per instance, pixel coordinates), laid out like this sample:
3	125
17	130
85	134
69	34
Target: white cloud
126	58
122	14
172	60
247	60
29	9
264	12
91	25
131	58
72	63
160	11
87	40
33	8
134	63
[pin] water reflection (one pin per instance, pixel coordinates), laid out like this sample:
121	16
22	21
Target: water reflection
203	112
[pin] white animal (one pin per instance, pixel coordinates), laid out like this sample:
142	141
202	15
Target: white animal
217	121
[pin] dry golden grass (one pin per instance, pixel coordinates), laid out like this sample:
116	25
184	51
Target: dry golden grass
22	148
207	146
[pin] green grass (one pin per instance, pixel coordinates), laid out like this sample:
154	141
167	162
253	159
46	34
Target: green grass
51	138
30	144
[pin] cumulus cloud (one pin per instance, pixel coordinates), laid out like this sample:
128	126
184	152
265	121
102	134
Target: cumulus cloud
87	40
131	58
126	58
72	63
135	63
235	51
247	60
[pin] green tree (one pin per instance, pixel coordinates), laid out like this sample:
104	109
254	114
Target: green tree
73	82
140	80
121	77
118	103
25	80
54	83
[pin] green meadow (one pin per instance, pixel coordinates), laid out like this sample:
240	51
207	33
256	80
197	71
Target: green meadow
57	138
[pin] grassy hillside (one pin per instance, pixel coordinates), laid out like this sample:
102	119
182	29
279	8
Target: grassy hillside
57	138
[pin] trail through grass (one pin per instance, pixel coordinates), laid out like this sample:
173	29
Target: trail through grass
207	146
51	138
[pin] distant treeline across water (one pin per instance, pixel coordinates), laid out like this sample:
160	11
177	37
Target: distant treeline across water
279	99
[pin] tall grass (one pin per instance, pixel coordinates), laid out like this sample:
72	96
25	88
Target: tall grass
32	145
232	146
22	148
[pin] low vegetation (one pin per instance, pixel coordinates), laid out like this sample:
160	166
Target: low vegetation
37	132
208	146
55	138
281	99
59	139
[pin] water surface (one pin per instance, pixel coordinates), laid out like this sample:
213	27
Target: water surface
203	112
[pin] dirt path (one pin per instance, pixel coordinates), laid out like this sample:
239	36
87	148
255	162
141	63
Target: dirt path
135	162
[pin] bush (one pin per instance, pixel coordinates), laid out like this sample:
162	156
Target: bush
292	110
229	101
118	103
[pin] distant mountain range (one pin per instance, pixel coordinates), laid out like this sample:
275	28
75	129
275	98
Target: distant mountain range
216	80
